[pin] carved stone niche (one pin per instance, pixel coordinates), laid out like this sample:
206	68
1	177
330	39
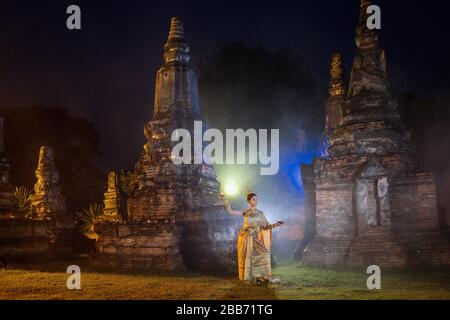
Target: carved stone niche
372	197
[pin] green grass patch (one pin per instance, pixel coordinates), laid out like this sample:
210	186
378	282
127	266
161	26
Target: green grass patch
48	281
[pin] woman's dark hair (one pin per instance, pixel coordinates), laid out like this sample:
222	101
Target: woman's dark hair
250	196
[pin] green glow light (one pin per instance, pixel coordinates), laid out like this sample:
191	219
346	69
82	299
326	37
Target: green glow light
231	188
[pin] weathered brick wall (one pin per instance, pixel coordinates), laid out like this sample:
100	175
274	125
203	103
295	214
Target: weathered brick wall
377	246
24	240
138	246
335	210
396	240
205	244
210	243
426	248
414	203
327	252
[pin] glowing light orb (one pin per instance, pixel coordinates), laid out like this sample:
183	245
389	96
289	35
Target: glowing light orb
230	188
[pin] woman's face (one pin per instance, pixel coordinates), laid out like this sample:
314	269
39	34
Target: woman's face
253	201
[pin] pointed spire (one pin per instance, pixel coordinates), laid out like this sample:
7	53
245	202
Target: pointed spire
176	49
176	29
369	65
363	33
337	87
337	91
364	4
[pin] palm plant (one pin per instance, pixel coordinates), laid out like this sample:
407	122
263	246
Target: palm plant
89	216
23	199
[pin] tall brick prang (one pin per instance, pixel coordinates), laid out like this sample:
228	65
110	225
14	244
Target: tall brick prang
374	202
175	218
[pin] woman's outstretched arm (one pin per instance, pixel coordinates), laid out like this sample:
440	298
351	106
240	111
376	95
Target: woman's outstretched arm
230	210
272	226
265	224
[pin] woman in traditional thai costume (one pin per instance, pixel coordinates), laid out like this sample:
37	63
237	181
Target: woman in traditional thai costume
254	242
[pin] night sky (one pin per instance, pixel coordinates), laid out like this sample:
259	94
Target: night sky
106	71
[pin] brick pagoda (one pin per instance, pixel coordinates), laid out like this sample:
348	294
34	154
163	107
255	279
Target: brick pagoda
175	218
373	203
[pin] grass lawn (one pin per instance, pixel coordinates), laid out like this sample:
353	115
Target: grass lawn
298	282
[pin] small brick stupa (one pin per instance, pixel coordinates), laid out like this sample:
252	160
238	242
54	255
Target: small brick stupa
114	208
373	201
47	201
46	232
175	218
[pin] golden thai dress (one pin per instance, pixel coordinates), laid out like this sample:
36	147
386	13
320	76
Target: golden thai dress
254	246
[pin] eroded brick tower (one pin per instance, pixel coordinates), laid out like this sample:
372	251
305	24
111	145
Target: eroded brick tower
175	217
165	190
374	204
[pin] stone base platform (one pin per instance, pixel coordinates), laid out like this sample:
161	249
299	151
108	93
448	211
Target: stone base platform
327	252
23	240
149	246
202	244
380	247
429	248
210	245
